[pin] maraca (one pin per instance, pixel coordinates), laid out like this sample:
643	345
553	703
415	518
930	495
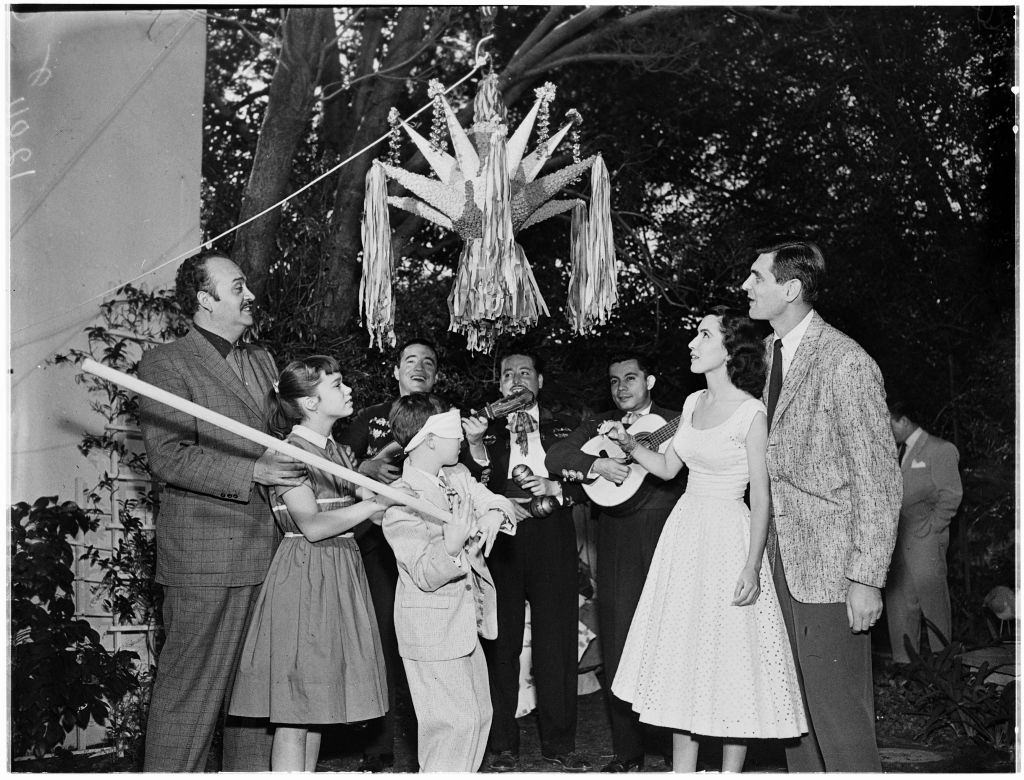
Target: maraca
516	401
540	506
521	473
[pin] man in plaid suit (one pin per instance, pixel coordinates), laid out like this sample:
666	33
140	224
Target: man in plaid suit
214	530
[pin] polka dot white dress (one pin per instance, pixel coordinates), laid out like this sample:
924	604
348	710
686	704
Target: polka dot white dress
693	661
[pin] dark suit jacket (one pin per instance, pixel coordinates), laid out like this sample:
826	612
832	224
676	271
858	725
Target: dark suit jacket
553	428
367	431
565	457
214	526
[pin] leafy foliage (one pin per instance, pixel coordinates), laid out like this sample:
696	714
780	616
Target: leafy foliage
956	698
61	676
132	595
135	317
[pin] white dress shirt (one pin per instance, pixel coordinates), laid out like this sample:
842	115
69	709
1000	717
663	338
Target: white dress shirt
534	457
910	442
792	340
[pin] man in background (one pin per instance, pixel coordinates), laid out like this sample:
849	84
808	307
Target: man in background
917	586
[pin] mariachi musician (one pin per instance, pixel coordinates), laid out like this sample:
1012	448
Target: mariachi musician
538	565
632	507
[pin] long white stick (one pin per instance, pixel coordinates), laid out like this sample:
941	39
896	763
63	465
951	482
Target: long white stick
170	399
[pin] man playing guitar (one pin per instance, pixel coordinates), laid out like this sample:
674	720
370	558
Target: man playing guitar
627	530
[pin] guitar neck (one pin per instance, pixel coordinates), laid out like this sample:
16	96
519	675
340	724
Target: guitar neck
658	437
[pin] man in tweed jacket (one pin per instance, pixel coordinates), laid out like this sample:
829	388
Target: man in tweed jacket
214	531
835	490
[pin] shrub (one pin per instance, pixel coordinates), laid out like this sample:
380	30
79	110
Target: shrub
61	676
953	697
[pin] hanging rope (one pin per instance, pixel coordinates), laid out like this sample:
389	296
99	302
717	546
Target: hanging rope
477	65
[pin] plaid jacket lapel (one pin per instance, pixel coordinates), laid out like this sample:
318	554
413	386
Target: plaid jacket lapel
212	361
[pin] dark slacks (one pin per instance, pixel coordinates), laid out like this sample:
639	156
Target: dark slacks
205	628
539	565
382	576
625	548
834	667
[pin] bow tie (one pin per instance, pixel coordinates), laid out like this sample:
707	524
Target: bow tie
522	424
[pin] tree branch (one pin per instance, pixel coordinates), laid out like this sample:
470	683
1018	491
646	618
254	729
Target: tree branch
598	57
773	14
556	38
619	25
538	32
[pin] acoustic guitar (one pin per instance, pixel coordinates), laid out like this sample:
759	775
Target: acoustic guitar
653	432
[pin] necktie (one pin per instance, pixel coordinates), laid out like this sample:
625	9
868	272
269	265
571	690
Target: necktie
241	364
630	418
901	452
522	424
775	381
450	494
235	361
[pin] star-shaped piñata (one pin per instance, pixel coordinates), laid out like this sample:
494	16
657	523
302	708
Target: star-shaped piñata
487	192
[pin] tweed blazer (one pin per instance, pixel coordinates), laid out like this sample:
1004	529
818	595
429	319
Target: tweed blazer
565	458
214	526
440	606
932	489
835	482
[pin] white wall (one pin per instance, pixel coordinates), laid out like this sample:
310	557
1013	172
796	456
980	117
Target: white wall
106	143
106	114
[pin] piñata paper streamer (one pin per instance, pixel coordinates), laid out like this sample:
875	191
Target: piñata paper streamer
376	304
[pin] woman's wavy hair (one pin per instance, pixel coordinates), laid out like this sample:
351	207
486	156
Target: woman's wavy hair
743	344
298	380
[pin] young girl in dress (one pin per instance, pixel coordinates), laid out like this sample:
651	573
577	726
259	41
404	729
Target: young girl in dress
707	651
312	654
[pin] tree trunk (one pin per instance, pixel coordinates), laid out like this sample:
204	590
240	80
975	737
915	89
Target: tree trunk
306	34
366	121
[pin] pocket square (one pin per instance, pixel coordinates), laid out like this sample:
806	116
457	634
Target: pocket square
918	464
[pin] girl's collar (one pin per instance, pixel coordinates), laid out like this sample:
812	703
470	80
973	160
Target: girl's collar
311	436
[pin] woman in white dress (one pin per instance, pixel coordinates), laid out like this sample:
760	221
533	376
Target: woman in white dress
707	652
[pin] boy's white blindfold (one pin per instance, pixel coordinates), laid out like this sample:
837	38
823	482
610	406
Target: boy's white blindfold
447	425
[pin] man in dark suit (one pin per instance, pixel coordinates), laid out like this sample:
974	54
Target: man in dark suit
368	433
627	535
539	564
215	533
917	586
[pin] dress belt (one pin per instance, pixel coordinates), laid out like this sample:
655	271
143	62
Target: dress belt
348	535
